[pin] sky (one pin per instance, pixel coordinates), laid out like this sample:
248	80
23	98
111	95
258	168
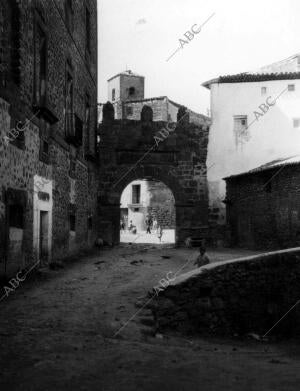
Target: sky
240	36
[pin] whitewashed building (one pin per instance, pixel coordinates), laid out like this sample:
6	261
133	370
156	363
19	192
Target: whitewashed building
255	119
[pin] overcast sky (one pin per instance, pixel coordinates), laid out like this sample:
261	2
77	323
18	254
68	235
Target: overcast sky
242	35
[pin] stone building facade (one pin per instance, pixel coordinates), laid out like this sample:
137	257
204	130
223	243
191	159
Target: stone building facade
48	121
128	151
263	206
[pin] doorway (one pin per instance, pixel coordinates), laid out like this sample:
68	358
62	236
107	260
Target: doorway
44	227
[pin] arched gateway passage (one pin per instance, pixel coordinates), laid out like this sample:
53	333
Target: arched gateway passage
129	150
147	213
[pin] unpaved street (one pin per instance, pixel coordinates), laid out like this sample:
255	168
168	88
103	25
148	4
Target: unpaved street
57	331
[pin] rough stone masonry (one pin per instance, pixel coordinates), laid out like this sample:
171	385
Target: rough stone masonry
234	297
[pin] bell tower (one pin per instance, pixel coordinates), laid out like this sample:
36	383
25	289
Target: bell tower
126	86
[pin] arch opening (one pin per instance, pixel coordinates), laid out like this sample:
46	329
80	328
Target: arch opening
147	213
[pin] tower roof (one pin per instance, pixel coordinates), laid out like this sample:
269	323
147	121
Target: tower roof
126	73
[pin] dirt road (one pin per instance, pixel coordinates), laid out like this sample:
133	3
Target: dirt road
57	333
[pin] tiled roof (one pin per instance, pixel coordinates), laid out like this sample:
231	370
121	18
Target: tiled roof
251	77
293	160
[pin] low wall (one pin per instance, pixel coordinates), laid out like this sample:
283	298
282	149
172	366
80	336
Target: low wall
234	297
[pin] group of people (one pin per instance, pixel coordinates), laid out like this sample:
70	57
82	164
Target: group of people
151	224
131	226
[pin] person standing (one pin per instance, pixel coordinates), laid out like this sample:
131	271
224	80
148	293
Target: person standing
159	232
148	225
154	224
202	258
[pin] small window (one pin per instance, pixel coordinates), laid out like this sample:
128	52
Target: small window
113	94
129	110
263	90
296	122
90	222
136	209
240	123
16	216
136	194
131	91
72	222
291	87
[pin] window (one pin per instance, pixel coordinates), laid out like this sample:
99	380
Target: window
136	209
45	147
240	123
78	131
131	91
40	65
69	130
16	216
129	110
113	94
263	90
136	194
72	222
146	114
90	222
44	140
291	87
296	122
69	15
88	29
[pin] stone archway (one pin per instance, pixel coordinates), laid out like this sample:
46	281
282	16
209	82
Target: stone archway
128	152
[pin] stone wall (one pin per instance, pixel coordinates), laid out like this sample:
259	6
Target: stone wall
162	204
128	151
132	110
234	297
263	208
20	163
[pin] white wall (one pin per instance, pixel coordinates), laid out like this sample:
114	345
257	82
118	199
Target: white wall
138	218
114	83
271	137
